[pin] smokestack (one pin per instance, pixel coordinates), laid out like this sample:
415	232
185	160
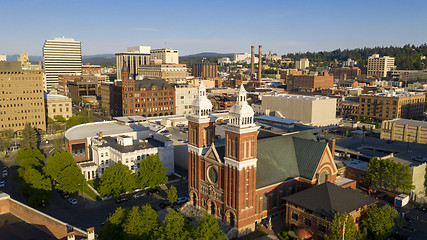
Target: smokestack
260	63
252	62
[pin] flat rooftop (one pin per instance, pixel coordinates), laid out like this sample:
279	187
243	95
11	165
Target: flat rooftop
370	147
112	142
410	122
107	128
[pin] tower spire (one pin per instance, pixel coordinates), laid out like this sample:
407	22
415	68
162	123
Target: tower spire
241	114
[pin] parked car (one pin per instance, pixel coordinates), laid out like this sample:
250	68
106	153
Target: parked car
3	179
2	184
122	199
139	194
73	201
164	131
5	173
181	200
65	195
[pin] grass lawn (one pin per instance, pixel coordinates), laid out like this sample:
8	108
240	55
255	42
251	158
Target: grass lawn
91	193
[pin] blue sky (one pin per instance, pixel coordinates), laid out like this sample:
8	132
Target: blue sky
211	26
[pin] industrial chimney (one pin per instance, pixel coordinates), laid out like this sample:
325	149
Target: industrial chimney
252	62
260	63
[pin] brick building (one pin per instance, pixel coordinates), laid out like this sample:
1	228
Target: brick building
111	99
391	105
148	98
243	181
345	73
309	83
88	69
309	212
205	70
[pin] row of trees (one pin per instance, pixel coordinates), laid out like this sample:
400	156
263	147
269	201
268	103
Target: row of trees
387	174
37	177
118	178
407	57
144	223
78	118
378	223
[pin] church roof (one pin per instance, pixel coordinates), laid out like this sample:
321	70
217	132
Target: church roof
286	157
328	199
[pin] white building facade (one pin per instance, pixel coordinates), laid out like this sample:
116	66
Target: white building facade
310	110
61	56
127	149
184	95
167	55
379	66
302	64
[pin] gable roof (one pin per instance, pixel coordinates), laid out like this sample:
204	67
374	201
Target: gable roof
328	199
288	156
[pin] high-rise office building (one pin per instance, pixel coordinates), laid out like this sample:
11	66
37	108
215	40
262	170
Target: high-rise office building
21	97
167	55
205	70
61	56
379	66
133	59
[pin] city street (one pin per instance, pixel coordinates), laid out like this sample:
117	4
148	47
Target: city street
87	212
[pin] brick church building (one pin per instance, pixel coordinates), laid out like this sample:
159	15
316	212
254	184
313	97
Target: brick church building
244	180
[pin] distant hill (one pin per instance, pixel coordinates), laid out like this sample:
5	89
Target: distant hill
98	59
407	57
209	54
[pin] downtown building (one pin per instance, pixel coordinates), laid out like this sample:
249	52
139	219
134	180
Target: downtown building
244	179
21	97
379	66
133	59
147	98
61	56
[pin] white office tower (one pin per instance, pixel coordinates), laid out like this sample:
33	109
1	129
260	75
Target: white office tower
61	56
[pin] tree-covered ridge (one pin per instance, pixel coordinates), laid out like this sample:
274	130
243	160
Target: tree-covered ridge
407	57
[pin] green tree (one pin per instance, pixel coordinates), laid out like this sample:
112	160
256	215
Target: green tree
36	179
134	225
115	180
340	222
141	224
29	158
6	136
50	121
208	229
113	229
172	194
380	222
29	137
34	184
151	172
60	118
389	175
64	170
173	228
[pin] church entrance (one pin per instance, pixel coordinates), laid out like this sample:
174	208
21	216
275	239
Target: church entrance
194	200
232	223
212	208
